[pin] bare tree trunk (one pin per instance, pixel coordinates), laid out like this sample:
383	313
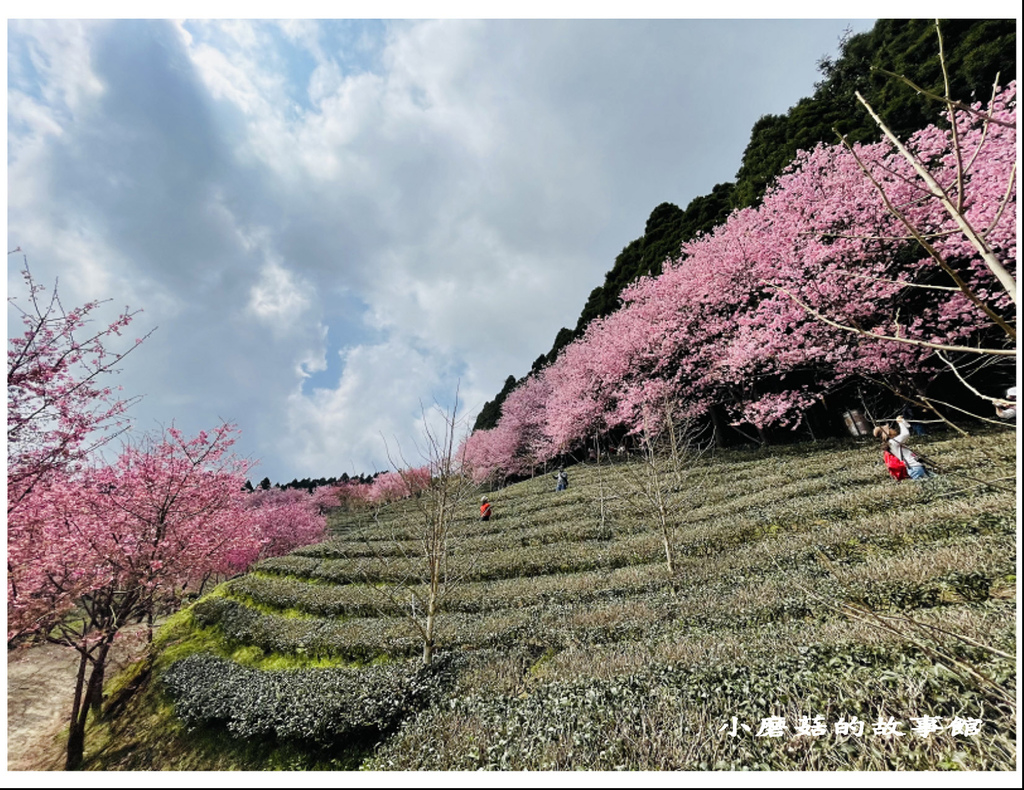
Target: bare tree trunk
600	478
76	732
663	506
669	559
668	481
96	678
428	641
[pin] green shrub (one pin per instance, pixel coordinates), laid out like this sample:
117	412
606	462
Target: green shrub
322	706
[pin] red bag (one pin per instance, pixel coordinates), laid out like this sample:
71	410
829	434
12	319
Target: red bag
896	467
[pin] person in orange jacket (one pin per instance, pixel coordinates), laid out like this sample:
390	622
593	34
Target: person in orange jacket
485	509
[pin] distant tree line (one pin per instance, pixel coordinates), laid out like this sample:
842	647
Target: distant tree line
311	484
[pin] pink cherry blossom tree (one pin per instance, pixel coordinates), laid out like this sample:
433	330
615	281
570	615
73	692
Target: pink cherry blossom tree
955	199
95	547
58	408
99	550
393	486
326	498
485	456
347	494
519	443
887	262
282	520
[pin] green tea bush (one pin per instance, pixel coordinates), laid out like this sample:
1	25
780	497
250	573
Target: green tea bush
509	537
362	639
576	650
673	717
360	600
509	563
323	706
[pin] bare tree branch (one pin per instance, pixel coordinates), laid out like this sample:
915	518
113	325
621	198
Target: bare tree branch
439	502
991	260
931	95
999	352
962	286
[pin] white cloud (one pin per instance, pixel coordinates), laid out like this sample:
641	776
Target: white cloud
305	33
377	402
60	52
436	198
228	79
36	116
278	298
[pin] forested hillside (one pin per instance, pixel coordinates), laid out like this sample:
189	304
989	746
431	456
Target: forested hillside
976	51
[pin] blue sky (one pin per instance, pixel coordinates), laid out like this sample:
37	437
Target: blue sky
333	223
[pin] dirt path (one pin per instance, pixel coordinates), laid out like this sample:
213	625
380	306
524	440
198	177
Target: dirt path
40	692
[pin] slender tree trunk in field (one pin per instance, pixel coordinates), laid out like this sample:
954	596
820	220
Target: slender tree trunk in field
666	533
658	484
76	733
668	482
600	479
437	538
96	679
669	560
428	642
440	500
719	426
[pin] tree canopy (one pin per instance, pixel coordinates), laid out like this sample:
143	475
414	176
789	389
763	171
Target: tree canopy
975	51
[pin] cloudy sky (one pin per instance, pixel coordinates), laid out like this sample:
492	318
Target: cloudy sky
330	223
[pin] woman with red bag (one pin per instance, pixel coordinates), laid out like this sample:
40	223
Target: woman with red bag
901	462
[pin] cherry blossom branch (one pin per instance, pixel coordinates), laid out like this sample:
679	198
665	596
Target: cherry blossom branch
968	412
984	128
1000	352
54	402
957	153
1011	183
903	283
932	405
934	235
944	234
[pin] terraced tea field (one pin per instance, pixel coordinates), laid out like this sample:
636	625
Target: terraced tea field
819	609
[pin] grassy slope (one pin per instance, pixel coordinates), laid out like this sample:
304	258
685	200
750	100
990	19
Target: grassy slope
574	651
